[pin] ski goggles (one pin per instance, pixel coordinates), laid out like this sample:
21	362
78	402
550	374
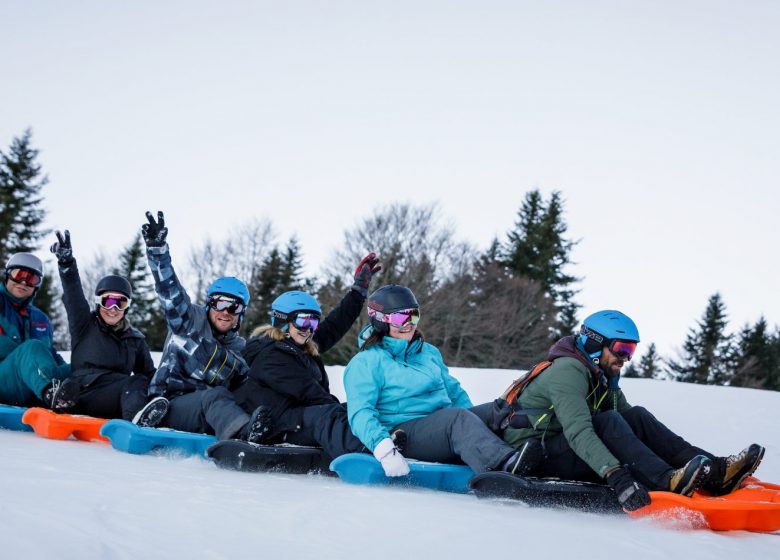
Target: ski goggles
222	303
24	276
622	349
306	321
108	300
397	319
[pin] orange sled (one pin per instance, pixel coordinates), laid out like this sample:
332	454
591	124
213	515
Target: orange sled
754	507
51	425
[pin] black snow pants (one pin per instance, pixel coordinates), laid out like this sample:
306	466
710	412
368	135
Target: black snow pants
208	411
323	425
113	395
636	438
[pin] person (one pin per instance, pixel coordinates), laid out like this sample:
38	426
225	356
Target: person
31	370
577	410
286	373
110	359
201	359
398	384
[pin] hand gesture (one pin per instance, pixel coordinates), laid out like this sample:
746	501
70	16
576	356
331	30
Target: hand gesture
62	249
364	272
154	232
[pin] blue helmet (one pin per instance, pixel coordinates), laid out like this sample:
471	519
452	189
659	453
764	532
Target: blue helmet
286	305
230	286
602	327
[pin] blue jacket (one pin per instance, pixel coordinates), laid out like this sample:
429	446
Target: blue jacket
194	357
393	382
21	321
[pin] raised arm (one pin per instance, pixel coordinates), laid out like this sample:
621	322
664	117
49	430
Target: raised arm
76	305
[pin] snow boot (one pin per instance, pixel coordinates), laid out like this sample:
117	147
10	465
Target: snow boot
152	414
60	394
525	460
687	479
260	424
729	472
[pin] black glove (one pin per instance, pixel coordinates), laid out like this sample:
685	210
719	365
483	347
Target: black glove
630	493
364	272
62	249
154	232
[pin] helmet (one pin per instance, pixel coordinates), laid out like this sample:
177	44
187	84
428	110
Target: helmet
114	283
25	260
289	303
230	286
601	327
387	299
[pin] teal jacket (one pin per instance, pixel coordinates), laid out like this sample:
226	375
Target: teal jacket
21	321
393	382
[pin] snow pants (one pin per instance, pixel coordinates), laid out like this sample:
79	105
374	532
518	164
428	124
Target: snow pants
26	372
454	435
323	425
636	438
113	395
208	411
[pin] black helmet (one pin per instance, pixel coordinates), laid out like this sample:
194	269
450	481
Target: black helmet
388	299
114	283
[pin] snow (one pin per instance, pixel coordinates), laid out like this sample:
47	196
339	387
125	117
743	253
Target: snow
71	499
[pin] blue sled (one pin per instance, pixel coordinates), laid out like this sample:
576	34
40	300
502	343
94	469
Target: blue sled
362	468
11	418
126	436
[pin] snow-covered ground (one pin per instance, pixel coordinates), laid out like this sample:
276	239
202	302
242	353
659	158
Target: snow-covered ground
76	500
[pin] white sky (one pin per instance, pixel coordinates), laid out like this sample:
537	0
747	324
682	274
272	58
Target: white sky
657	120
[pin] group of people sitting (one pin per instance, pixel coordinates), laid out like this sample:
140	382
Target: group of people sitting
572	422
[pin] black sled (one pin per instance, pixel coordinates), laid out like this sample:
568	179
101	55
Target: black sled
240	455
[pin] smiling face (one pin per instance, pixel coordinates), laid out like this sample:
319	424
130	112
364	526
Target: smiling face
21	291
298	336
110	316
610	363
222	321
406	332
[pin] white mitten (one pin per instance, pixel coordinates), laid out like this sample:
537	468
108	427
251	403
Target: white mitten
392	461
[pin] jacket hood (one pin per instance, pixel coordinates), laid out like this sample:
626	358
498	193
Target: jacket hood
567	348
256	346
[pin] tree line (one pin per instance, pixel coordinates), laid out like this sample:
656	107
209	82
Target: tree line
499	307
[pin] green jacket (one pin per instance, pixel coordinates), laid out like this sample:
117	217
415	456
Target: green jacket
573	391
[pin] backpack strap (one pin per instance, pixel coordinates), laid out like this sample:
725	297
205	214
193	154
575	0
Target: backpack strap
507	411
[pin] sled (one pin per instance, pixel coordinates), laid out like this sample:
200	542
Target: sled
11	418
126	436
240	455
585	496
362	468
48	424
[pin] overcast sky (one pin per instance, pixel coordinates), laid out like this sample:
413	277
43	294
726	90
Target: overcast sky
658	121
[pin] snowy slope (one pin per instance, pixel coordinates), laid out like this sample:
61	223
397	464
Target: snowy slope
69	499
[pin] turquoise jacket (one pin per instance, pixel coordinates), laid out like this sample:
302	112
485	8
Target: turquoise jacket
393	382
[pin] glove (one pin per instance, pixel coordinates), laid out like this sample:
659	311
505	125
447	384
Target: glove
630	493
392	461
62	249
154	232
364	272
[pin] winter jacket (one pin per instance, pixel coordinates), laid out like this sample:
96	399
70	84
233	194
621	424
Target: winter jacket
575	390
283	376
98	349
194	356
395	381
21	321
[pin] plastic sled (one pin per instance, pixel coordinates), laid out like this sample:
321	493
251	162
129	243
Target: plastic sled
126	436
292	459
362	468
11	418
51	425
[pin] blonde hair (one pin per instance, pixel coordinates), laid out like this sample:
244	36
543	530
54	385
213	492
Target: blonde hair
275	333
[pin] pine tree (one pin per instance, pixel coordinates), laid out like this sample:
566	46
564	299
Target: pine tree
650	364
757	362
707	352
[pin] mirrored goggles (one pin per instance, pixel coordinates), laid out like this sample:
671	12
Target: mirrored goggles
24	276
306	321
622	349
232	306
398	318
107	301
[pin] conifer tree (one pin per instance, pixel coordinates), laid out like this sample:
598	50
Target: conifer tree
757	362
650	364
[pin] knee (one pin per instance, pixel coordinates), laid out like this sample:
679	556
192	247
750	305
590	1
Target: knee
34	347
215	394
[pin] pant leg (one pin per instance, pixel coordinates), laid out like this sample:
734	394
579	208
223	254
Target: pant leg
135	395
210	411
326	426
454	435
26	372
102	396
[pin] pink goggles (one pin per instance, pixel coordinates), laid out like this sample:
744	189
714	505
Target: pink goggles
306	321
623	349
397	319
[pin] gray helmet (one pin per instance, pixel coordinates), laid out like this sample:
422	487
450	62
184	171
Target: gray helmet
114	283
25	260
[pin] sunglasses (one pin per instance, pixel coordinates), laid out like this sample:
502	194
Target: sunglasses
24	276
306	321
107	301
226	304
398	318
622	349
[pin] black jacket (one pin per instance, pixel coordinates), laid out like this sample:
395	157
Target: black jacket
98	349
283	376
